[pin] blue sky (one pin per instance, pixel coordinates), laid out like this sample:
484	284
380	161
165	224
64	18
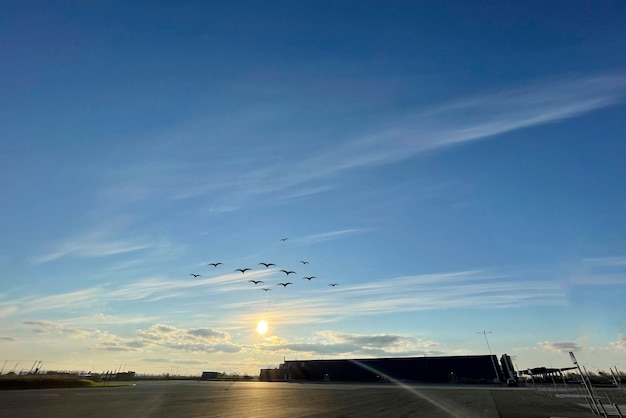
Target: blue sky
453	167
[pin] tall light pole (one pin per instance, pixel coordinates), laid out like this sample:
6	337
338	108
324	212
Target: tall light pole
495	369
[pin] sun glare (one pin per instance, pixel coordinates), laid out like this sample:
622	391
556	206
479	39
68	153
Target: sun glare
261	327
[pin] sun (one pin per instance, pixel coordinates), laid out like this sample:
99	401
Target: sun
261	327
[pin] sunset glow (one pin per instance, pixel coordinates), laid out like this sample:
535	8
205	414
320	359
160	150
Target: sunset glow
261	327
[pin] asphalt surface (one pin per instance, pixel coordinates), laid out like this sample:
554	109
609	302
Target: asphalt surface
279	399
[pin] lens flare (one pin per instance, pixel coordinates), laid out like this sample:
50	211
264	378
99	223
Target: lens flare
261	327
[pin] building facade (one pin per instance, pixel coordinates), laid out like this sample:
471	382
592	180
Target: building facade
461	369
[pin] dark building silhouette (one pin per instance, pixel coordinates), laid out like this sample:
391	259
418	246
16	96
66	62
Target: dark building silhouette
209	376
272	375
461	369
124	376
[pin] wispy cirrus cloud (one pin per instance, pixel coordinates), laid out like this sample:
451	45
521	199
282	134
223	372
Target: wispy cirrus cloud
472	289
600	271
417	131
619	344
105	319
346	344
150	289
50	327
477	118
157	336
93	244
560	346
7	339
607	261
460	121
331	235
463	289
176	361
166	288
7	309
75	300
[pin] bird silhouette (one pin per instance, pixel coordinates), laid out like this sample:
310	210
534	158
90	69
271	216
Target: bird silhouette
308	278
333	284
243	270
214	264
256	281
284	239
195	275
284	284
304	262
266	289
288	272
267	264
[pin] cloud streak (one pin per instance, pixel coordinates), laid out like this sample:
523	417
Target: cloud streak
328	236
165	288
7	339
601	271
478	118
416	132
70	301
456	290
197	340
460	121
561	346
620	344
346	344
93	244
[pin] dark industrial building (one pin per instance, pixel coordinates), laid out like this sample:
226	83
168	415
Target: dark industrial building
209	376
124	376
461	369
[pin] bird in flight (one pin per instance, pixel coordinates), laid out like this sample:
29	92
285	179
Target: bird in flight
195	275
214	264
243	270
284	284
256	281
308	278
284	239
304	262
333	284
268	264
266	289
288	272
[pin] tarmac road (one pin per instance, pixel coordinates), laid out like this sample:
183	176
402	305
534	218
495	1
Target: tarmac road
279	399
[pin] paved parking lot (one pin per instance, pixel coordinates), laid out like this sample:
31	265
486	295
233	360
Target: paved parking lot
263	399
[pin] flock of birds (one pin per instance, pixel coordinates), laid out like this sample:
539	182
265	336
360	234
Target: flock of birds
267	265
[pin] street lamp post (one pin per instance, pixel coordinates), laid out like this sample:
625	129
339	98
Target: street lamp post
495	369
